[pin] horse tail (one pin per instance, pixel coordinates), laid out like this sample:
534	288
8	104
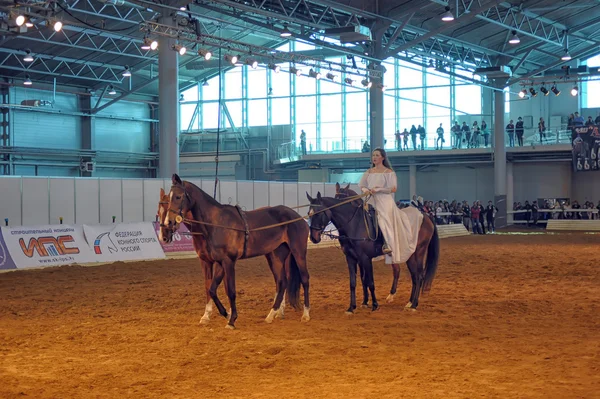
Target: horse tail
433	256
293	282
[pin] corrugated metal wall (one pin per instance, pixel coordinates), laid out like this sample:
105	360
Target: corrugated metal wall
120	135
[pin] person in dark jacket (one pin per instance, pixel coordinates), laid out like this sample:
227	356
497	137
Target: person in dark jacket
510	130
519	131
490	215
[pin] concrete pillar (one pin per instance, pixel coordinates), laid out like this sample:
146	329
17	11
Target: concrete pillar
87	132
510	191
168	100
376	113
499	159
412	180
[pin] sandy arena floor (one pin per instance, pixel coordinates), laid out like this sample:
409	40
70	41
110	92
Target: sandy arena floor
508	317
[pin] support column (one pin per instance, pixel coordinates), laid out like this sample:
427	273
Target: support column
412	180
499	159
376	92
510	191
87	133
168	100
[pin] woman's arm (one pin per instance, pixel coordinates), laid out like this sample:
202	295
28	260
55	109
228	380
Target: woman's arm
363	183
390	184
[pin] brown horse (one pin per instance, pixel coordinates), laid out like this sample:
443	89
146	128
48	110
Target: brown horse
229	234
360	249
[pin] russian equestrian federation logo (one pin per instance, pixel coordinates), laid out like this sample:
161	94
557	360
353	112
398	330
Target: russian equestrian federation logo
112	248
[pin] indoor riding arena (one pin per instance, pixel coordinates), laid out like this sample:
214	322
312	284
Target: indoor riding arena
299	198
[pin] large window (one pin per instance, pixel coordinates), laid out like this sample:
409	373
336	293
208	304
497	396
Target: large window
590	97
468	95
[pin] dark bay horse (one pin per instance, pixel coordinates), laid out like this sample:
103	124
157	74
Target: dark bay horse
279	233
359	248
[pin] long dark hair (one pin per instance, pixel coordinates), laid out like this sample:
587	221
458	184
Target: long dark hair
385	162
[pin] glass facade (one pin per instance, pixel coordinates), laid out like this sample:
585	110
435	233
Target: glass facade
333	115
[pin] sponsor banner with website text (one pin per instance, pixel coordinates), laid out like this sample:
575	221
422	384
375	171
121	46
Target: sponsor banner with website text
182	241
125	241
6	261
39	246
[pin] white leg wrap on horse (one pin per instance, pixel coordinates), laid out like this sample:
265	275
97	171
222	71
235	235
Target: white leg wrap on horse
306	315
271	316
207	312
280	311
390	298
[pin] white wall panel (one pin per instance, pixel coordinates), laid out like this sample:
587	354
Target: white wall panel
304	188
541	180
110	201
261	194
228	192
355	188
317	187
275	194
87	205
290	194
246	195
151	197
35	201
62	201
10	200
133	192
329	190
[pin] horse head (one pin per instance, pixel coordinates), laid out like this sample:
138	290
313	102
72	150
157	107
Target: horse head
341	193
318	218
165	234
174	206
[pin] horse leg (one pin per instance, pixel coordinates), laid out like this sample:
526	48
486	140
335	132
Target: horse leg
352	272
370	281
208	277
300	259
276	261
365	303
416	274
396	271
214	285
229	268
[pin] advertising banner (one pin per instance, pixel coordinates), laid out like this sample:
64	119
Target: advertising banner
37	246
120	242
586	148
6	261
182	242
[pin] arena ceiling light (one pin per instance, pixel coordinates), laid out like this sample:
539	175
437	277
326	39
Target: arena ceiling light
532	91
231	58
566	56
574	91
555	90
205	53
252	63
313	74
332	77
28	57
180	49
367	83
27	81
111	90
523	93
58	26
514	38
274	67
149	44
543	89
349	82
296	71
127	72
285	32
448	16
23	20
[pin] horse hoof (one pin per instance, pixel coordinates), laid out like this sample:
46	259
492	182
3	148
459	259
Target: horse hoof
375	309
408	305
364	305
230	327
390	298
349	312
305	319
410	309
204	321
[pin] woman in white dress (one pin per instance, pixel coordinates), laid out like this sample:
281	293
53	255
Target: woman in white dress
398	232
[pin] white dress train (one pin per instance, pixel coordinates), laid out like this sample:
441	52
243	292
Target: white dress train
400	227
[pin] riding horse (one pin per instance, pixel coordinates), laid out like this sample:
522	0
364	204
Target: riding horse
360	247
229	234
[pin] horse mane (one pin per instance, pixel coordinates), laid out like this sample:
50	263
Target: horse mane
204	195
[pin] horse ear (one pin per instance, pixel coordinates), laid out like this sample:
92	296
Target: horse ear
309	197
337	187
347	187
162	192
176	179
319	195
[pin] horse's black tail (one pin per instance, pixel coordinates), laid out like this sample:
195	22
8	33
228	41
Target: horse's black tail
433	256
293	282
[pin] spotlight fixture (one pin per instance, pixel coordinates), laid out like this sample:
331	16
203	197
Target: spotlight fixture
514	38
20	20
447	16
58	26
205	82
382	87
566	56
149	44
285	32
28	57
523	93
532	91
27	81
274	67
544	91
182	8
366	83
111	90
180	49
331	77
313	74
574	91
555	90
126	72
205	53
349	82
154	45
231	58
431	65
252	63
181	98
296	71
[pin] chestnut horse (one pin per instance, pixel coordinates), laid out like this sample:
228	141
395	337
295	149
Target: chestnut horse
359	248
228	234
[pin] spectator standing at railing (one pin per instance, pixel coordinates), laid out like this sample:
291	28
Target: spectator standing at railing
481	216
490	215
576	215
439	143
519	131
398	142
589	122
476	133
527	208
578	120
475	215
303	142
422	136
534	213
405	139
456	135
413	136
510	130
542	130
438	214
467	132
485	132
466	215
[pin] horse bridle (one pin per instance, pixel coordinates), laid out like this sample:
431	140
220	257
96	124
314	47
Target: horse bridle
321	229
179	213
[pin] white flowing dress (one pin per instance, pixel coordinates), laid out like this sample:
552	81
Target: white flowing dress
400	227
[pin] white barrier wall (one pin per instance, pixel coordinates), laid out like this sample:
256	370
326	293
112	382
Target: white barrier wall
28	201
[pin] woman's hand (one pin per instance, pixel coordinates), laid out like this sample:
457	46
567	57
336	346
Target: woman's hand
394	189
